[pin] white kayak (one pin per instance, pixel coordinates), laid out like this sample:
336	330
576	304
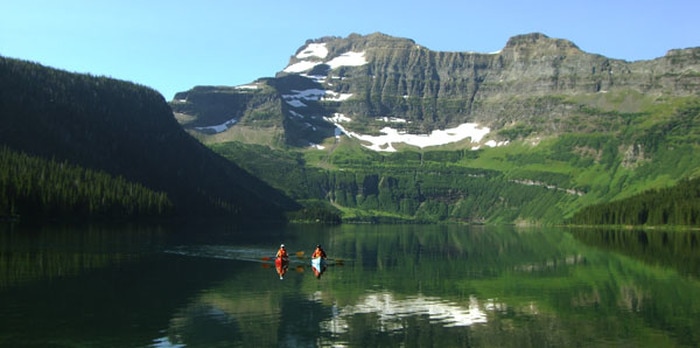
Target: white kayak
318	262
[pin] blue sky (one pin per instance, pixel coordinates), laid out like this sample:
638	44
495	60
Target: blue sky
174	45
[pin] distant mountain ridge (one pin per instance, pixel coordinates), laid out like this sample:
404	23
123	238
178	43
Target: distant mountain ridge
372	78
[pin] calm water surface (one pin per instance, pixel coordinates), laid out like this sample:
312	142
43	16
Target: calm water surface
214	285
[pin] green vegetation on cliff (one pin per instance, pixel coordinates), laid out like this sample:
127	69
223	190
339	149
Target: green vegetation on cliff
531	180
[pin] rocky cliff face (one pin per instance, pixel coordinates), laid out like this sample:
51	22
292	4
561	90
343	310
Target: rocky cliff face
366	81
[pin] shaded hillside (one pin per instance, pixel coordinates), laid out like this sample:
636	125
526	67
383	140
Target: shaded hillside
125	130
34	188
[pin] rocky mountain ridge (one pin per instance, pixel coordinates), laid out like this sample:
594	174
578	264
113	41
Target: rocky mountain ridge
368	85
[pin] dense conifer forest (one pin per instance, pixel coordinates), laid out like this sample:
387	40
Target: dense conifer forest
32	187
678	205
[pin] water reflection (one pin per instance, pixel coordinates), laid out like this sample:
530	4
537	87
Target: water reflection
203	325
390	312
445	285
281	266
677	249
399	286
36	253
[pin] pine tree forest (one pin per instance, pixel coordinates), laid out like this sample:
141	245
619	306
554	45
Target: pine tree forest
35	187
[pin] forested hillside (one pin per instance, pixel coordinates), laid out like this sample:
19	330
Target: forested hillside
678	205
36	188
125	131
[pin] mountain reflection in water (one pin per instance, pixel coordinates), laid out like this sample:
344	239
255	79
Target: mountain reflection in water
399	285
391	311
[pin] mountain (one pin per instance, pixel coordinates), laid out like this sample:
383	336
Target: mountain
126	131
384	129
535	86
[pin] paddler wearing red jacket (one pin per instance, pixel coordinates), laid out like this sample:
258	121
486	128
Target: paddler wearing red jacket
282	253
319	252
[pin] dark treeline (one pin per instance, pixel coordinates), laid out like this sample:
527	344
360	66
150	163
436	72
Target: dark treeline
128	131
38	188
677	205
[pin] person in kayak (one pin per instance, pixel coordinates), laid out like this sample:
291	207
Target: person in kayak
282	253
281	261
319	252
318	261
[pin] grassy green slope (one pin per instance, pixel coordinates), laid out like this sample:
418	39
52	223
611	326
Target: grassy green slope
534	179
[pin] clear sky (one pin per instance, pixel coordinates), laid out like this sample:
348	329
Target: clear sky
174	45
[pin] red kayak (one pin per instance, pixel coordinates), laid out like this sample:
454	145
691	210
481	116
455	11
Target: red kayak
281	264
281	261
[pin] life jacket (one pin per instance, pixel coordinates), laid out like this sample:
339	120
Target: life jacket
282	253
319	253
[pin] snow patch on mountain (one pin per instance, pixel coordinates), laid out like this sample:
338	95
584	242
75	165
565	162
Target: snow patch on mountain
219	127
313	50
310	54
302	66
315	94
348	59
248	86
296	103
391	119
330	95
337	118
390	136
307	94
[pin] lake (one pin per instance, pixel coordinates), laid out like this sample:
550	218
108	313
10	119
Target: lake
200	284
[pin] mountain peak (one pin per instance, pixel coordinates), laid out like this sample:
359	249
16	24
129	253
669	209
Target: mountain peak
540	43
365	83
332	52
